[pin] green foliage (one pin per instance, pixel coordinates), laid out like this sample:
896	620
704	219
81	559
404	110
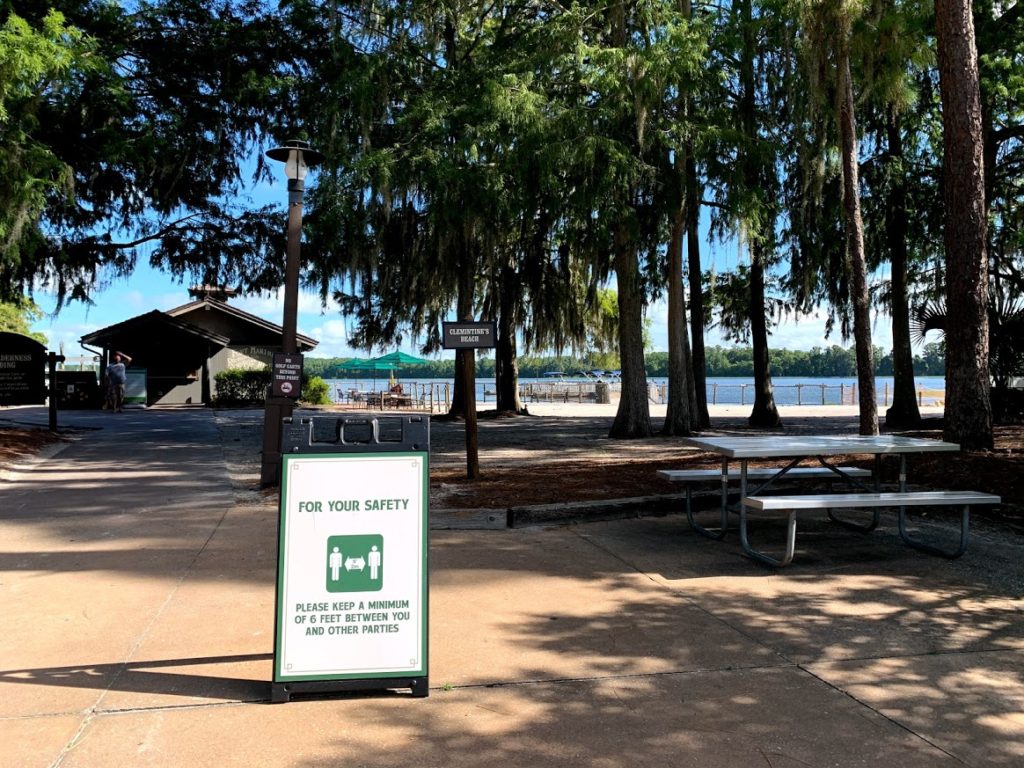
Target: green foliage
315	391
128	123
815	363
36	64
18	316
238	387
248	387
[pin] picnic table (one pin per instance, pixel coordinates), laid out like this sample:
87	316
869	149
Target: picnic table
396	400
792	450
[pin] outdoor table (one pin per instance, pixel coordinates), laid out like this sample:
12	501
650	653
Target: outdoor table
797	448
395	400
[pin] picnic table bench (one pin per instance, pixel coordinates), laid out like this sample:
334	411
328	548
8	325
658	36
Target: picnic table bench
822	448
791	505
691	477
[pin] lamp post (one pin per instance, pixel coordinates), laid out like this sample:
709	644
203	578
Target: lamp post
298	158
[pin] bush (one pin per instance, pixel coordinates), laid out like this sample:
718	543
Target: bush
237	387
316	391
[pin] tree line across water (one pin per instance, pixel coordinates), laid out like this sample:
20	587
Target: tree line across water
834	361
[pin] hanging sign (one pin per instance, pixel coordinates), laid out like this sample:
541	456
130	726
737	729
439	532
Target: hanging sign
469	335
352	571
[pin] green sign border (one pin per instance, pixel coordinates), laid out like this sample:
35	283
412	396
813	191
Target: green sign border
424	577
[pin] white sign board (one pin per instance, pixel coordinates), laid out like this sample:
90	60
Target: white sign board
135	386
352	571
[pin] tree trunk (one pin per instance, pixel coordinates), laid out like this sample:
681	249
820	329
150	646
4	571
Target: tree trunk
678	414
465	312
506	364
764	414
633	418
968	405
854	227
702	418
904	412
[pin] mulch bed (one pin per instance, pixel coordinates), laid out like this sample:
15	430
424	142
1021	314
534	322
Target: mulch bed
21	442
1000	471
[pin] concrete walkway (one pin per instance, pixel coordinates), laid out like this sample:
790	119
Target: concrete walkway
137	605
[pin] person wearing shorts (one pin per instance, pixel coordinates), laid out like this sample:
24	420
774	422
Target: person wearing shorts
116	377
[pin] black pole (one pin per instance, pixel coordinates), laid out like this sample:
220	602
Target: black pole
278	408
469	398
52	359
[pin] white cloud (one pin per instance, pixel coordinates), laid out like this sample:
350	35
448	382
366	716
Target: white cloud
797	333
270	305
333	337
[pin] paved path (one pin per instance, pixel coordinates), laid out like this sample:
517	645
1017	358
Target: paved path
137	601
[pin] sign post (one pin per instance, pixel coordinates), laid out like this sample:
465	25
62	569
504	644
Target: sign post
469	336
352	563
52	359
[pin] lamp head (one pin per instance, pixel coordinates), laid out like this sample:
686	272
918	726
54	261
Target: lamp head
297	157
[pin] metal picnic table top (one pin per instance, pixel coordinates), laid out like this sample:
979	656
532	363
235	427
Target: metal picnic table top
768	446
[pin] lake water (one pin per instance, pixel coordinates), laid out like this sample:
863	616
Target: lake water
789	390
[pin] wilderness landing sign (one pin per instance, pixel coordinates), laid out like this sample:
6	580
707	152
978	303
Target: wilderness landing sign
22	370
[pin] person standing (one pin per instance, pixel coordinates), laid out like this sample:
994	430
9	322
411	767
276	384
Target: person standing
116	377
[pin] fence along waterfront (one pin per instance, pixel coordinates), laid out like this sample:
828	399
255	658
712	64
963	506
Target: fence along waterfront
436	394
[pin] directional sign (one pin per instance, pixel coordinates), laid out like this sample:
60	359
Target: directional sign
469	335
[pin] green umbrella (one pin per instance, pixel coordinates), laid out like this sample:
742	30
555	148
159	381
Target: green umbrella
395	359
366	365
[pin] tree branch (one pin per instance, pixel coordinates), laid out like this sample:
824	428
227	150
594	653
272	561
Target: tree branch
145	238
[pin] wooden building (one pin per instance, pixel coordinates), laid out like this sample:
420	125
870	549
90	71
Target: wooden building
176	354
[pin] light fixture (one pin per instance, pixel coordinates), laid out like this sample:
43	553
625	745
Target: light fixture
297	157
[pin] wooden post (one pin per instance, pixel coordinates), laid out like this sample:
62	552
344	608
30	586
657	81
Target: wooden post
52	359
469	380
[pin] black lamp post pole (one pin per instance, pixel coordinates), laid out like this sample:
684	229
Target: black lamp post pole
289	342
277	407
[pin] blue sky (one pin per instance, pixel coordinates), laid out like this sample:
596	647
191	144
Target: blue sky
149	289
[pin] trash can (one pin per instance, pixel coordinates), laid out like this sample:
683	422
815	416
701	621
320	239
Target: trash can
602	392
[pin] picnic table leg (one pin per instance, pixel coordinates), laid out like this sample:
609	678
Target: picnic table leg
875	514
860	527
724	510
760	556
950	554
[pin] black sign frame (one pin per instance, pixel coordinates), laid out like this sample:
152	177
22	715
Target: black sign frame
22	370
286	375
469	334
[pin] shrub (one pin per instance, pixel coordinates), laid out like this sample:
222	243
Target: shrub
316	391
237	386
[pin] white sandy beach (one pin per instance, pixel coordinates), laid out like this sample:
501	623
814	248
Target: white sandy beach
548	408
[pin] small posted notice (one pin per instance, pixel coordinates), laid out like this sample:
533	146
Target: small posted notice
352	571
286	375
